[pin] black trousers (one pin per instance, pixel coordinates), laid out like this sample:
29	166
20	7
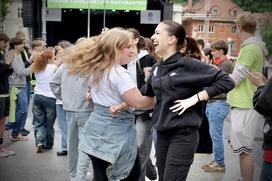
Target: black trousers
205	141
175	153
100	166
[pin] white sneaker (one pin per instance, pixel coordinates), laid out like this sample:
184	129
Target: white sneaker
3	154
7	150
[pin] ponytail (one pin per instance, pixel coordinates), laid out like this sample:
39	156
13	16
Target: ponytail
41	60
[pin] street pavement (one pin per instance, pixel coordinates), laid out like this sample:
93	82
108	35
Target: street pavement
27	165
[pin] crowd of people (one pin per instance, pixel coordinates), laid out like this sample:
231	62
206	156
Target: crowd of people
115	93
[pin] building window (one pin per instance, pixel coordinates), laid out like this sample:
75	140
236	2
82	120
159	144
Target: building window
234	29
200	28
20	12
233	13
232	46
215	12
211	29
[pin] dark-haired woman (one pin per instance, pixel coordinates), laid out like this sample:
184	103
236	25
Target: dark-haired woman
177	81
44	101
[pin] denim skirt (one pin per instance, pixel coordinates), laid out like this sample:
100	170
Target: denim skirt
112	139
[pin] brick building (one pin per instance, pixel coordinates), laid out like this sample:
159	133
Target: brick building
217	23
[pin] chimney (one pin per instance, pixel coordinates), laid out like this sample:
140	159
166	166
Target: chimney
190	4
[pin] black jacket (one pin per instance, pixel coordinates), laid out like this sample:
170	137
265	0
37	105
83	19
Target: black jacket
25	60
146	61
5	72
181	77
262	101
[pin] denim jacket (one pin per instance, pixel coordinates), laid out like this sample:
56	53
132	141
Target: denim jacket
112	139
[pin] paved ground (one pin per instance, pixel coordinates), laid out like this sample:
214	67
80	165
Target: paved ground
29	166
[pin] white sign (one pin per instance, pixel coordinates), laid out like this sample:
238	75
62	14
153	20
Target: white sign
150	17
53	14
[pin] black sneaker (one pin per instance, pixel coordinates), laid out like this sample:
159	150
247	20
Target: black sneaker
24	132
151	172
62	153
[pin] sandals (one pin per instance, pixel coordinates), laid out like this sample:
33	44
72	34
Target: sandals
18	137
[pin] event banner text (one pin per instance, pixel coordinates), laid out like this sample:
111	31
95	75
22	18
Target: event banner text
99	4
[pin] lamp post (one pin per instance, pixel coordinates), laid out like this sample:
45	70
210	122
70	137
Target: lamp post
44	21
104	14
229	40
88	20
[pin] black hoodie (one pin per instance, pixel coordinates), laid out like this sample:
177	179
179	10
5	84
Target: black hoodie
181	77
5	72
262	102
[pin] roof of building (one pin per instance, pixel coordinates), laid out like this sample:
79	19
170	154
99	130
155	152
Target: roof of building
219	10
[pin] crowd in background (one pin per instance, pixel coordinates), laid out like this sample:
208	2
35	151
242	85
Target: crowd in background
115	93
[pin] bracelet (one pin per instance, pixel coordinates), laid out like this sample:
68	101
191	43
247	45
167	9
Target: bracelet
197	97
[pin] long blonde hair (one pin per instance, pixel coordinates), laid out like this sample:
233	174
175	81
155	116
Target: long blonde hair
96	56
41	60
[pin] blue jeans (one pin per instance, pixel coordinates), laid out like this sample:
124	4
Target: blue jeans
83	166
21	112
216	113
61	119
28	91
144	143
76	123
44	115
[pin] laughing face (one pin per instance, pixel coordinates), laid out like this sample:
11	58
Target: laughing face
162	40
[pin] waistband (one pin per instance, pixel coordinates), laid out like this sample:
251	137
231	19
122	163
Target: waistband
216	100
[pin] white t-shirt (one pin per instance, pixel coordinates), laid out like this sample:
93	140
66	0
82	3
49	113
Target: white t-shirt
131	67
112	87
42	81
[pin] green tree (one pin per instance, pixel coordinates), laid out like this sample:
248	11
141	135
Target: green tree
4	6
266	34
254	5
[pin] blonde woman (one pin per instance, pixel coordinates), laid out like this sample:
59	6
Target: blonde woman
109	141
44	101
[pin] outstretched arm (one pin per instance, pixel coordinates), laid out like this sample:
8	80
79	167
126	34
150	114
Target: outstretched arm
183	104
133	98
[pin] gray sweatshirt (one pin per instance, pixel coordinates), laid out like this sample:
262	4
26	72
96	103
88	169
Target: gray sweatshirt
71	89
240	72
18	78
